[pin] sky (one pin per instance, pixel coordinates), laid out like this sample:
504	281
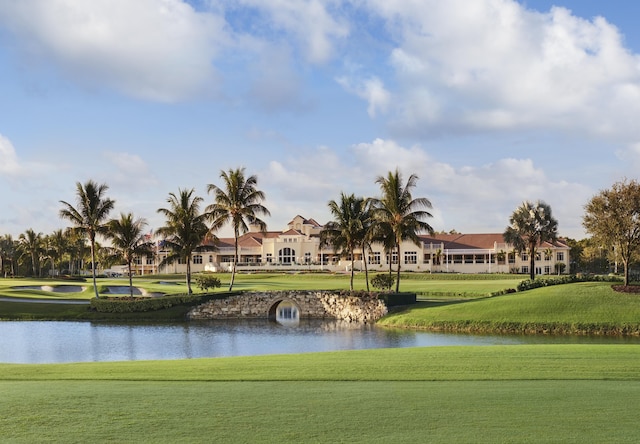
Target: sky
488	102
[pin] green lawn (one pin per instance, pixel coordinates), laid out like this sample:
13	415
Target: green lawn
571	308
539	393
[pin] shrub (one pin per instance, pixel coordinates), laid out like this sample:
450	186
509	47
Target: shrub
529	284
142	304
205	282
394	299
383	281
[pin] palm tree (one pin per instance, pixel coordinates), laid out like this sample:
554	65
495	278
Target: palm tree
31	244
347	231
185	228
529	226
239	203
128	241
89	215
58	245
398	214
8	252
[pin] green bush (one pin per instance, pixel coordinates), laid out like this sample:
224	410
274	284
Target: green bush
395	299
383	281
538	283
142	304
205	282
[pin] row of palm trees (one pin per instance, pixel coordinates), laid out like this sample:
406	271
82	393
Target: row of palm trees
390	220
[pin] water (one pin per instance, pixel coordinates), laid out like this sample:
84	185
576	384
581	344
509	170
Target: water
58	342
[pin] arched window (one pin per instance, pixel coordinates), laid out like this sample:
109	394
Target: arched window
287	255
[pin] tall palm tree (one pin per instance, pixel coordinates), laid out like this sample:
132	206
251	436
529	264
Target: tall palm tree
399	214
185	228
530	225
347	231
89	216
239	203
31	244
8	252
128	240
58	245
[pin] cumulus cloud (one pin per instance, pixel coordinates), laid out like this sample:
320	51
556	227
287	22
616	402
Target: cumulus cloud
9	164
496	65
131	171
475	198
315	25
370	89
152	49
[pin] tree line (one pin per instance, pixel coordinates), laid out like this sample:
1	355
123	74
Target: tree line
612	217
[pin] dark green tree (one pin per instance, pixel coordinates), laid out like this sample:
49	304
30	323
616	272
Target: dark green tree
32	245
612	217
185	229
347	232
397	215
89	216
239	203
530	225
128	241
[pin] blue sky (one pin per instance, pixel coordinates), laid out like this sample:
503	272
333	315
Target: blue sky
489	102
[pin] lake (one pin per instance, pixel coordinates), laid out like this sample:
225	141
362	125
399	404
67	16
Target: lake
57	342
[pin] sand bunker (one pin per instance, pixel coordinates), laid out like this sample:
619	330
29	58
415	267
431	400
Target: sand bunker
53	289
124	290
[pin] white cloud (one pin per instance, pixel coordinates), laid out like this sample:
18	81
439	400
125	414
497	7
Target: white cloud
9	164
475	198
371	89
152	49
312	22
495	65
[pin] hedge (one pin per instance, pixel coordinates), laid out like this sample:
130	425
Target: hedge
529	284
142	304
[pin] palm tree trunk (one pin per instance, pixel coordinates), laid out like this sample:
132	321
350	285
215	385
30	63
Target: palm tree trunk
235	261
93	266
188	277
398	272
352	266
366	268
532	262
130	279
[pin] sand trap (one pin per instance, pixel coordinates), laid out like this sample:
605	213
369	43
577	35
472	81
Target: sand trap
124	290
53	289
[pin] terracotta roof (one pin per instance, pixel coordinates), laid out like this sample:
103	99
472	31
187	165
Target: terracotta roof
482	241
291	233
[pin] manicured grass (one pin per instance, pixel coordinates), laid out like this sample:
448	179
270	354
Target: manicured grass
493	394
591	307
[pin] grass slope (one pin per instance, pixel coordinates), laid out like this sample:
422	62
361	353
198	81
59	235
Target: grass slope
447	394
589	307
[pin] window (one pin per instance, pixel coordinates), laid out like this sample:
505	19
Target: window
524	257
512	258
307	258
457	258
547	269
374	258
410	257
287	255
197	259
394	258
210	258
269	258
524	269
468	258
150	260
560	256
547	256
137	261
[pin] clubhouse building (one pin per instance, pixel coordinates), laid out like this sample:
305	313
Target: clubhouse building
297	248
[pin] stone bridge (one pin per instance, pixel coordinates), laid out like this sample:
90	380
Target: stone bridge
293	305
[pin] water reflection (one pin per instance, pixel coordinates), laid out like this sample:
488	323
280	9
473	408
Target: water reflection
47	342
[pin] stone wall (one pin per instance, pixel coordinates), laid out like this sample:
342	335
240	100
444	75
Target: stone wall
310	304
